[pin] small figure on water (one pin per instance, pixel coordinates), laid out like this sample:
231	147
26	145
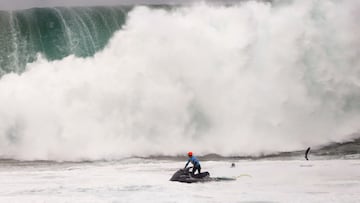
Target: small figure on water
306	153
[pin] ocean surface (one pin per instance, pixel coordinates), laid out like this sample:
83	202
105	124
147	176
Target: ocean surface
147	180
102	103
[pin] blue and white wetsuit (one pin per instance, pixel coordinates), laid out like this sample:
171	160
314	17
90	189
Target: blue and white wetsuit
195	163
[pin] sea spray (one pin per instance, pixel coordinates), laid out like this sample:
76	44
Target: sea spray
240	80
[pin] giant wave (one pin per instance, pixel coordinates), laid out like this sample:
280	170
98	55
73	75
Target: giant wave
236	80
55	33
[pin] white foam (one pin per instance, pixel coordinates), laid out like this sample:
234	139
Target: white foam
237	80
266	181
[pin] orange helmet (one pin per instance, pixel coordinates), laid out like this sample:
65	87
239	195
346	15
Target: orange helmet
189	153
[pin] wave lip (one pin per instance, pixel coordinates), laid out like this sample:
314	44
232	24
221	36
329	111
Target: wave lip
55	33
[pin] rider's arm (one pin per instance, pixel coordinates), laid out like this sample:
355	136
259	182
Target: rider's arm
187	163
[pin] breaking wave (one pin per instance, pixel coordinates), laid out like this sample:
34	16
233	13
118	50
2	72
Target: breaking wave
241	80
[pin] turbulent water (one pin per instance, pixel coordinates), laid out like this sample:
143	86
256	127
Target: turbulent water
148	181
243	79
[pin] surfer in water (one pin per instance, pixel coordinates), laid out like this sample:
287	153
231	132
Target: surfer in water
306	153
195	162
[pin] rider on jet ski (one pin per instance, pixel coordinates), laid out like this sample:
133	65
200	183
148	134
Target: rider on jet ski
195	162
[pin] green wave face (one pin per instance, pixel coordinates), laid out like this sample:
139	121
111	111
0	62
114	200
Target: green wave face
55	33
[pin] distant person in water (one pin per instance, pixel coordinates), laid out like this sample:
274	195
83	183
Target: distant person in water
195	162
307	153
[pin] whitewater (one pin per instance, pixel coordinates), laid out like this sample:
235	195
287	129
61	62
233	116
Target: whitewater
242	80
135	180
101	104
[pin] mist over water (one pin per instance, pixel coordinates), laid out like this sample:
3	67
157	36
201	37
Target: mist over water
240	80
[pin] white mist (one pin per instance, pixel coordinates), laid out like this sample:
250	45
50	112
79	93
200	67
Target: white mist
237	80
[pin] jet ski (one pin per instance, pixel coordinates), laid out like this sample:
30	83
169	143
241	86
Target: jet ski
185	176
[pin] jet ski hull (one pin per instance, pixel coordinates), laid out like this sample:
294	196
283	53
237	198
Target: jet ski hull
185	176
